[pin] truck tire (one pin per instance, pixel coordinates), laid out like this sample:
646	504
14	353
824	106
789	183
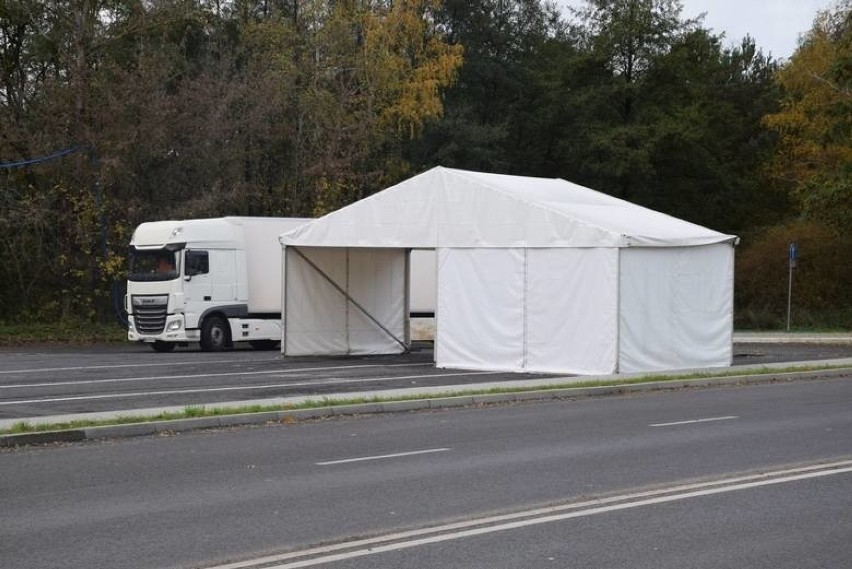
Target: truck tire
215	334
264	344
162	347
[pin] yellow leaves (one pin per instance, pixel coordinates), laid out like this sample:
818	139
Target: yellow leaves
813	125
408	63
808	90
369	71
113	267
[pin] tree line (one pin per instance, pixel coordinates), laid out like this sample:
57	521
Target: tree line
197	108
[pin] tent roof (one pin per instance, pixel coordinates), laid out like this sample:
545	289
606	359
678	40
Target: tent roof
446	207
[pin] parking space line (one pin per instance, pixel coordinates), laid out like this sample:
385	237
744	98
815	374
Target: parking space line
204	375
230	388
119	366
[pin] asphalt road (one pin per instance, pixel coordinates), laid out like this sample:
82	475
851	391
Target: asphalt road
796	525
38	382
202	499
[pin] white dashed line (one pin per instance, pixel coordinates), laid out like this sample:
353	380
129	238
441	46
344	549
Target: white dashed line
381	456
693	421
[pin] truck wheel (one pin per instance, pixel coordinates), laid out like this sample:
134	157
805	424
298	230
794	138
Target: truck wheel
264	344
162	347
215	334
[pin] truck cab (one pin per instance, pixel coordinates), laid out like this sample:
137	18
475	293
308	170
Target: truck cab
211	281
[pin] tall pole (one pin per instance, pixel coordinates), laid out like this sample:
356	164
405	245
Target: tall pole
792	264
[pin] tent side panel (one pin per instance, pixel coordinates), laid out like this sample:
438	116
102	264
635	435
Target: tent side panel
572	298
377	283
480	309
315	313
676	308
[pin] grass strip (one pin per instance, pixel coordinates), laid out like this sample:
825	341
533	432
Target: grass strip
73	332
199	411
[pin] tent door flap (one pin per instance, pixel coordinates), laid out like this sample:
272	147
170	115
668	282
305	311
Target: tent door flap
349	298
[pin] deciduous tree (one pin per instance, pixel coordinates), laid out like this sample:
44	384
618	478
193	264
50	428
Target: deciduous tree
814	124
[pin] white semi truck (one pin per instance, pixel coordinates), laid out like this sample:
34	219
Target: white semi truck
218	281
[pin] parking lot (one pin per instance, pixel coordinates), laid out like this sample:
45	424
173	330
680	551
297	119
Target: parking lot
53	380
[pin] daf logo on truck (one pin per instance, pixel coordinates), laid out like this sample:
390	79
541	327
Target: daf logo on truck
150	300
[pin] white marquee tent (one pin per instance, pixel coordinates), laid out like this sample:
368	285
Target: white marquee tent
533	275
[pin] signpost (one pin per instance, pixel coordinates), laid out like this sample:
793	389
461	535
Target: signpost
793	256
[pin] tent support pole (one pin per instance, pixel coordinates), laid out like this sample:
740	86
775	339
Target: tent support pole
526	340
618	310
284	300
407	319
350	299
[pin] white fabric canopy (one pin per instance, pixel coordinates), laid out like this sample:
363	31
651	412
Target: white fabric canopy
444	207
532	275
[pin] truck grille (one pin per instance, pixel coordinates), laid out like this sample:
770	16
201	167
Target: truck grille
149	313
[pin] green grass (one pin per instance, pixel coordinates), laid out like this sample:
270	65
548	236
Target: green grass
198	411
66	332
836	319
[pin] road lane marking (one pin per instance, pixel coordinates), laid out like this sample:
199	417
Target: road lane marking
115	366
381	456
491	524
693	421
233	388
204	375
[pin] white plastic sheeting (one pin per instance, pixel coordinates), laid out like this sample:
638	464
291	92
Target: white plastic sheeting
328	290
676	308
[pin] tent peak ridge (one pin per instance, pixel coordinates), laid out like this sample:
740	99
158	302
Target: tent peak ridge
537	203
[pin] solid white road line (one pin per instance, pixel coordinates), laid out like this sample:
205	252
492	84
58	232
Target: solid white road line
115	366
382	456
205	375
403	540
693	421
232	388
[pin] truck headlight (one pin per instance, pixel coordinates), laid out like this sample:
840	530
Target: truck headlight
174	326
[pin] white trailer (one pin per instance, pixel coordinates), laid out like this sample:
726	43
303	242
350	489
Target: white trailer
218	281
424	294
212	281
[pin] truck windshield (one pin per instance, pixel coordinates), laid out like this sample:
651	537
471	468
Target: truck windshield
156	265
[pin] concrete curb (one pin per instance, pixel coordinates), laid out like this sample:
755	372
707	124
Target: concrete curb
296	415
793	337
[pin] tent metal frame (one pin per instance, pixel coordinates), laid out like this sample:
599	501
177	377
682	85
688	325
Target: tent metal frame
406	347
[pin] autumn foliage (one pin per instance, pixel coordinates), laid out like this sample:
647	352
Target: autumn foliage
814	123
821	296
189	108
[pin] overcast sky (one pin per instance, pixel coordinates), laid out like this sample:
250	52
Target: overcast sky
775	25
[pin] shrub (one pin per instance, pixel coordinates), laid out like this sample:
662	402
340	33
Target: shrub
822	279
